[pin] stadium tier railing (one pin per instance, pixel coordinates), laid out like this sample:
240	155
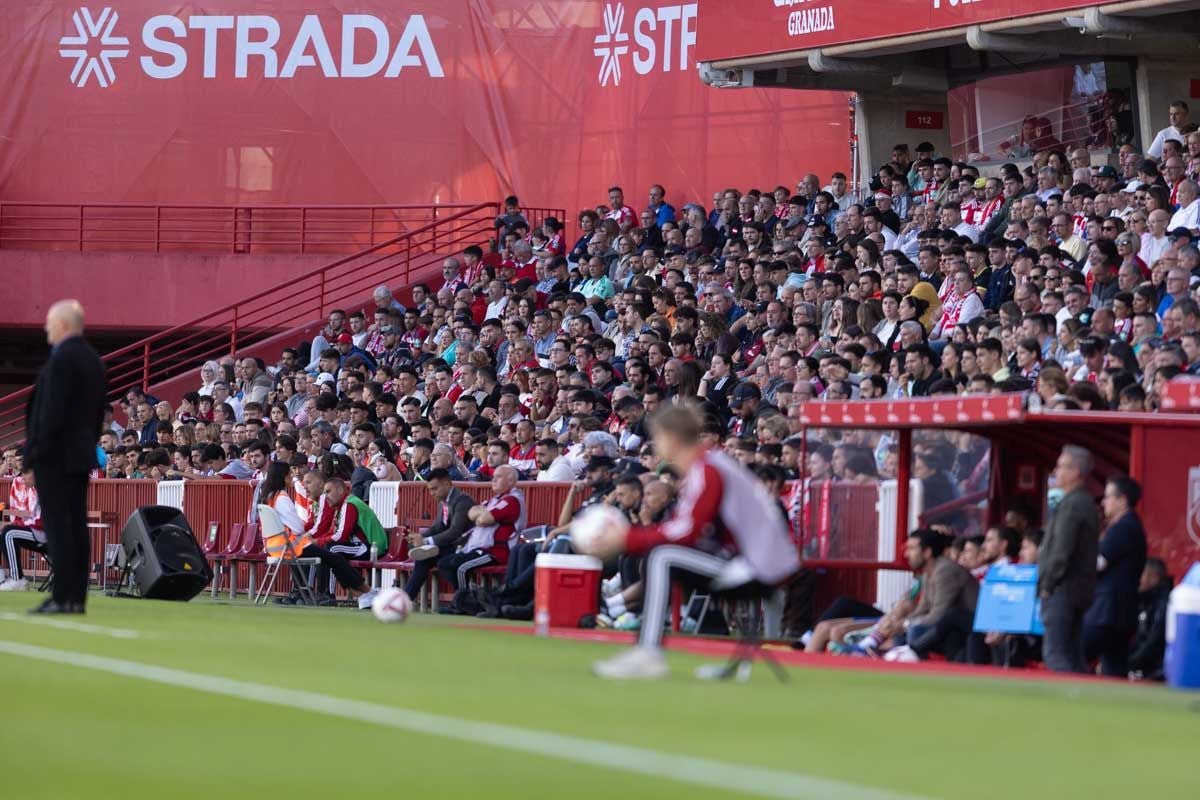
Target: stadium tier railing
278	315
160	228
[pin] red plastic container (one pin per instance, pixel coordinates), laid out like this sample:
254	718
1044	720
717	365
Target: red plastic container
566	587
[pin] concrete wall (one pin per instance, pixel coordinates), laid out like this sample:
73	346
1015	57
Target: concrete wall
881	126
1159	81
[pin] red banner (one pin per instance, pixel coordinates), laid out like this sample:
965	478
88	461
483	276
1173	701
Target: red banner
316	101
739	28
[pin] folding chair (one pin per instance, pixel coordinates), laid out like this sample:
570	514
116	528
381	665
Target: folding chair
271	526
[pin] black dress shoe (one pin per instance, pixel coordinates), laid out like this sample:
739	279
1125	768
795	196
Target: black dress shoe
524	612
54	607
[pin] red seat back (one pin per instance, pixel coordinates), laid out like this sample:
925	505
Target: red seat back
235	539
252	543
397	546
210	541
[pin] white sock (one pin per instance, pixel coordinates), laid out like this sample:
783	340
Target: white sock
616	606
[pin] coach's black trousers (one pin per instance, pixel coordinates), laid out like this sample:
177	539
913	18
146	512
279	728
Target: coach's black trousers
63	500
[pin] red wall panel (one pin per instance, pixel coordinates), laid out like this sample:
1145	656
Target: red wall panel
517	101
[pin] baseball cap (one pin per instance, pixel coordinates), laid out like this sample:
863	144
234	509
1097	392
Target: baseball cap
387	330
744	391
1133	186
816	219
1175	233
345	338
981	183
881	194
761	308
326	377
1106	172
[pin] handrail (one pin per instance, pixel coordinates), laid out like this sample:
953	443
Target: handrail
965	501
322	271
287	308
150	227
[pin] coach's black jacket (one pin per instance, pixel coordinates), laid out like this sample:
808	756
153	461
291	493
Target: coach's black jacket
64	414
449	532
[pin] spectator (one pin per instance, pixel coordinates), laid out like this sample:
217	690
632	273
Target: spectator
1154	591
494	523
942	619
22	529
1067	580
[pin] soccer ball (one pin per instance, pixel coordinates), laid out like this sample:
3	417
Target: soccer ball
391	605
593	521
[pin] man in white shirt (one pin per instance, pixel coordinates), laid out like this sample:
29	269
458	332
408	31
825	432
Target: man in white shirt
552	466
1189	208
497	300
952	220
837	187
1178	114
1157	242
1069	241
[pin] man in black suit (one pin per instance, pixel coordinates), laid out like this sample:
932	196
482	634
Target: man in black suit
1111	620
1067	563
62	425
450	527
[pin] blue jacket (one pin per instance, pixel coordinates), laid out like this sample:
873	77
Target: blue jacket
1123	547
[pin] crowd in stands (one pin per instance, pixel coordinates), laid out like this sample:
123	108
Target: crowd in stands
538	357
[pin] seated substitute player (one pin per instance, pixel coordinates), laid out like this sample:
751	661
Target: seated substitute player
448	531
297	537
25	531
726	531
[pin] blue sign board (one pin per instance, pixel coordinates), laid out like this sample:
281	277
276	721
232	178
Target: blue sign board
1008	601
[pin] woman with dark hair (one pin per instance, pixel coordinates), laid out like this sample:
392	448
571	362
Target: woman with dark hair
296	541
690	374
381	460
587	226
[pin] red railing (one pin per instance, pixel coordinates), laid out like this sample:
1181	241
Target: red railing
149	228
128	227
280	311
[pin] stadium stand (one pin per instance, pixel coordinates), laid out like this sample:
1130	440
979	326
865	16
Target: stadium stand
1080	288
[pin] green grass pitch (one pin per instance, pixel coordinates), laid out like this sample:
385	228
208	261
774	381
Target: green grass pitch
70	730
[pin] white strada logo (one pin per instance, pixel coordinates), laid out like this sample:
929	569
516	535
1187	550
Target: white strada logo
253	46
608	44
76	47
660	39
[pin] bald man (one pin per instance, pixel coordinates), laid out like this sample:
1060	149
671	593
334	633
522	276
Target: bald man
62	425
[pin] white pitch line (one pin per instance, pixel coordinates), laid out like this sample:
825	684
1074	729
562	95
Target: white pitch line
69	625
698	771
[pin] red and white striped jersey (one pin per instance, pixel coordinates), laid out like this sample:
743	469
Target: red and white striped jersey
24	498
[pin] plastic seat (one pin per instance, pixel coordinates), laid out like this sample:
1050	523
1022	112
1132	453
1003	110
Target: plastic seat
223	559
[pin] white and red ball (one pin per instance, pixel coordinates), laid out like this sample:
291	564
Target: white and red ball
391	605
592	522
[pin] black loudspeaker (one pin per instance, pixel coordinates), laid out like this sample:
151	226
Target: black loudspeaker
162	555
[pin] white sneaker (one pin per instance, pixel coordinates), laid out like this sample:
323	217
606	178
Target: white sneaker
14	585
903	654
610	586
423	552
637	663
366	598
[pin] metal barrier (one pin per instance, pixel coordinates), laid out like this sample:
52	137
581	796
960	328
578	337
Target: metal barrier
383	501
131	227
170	493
